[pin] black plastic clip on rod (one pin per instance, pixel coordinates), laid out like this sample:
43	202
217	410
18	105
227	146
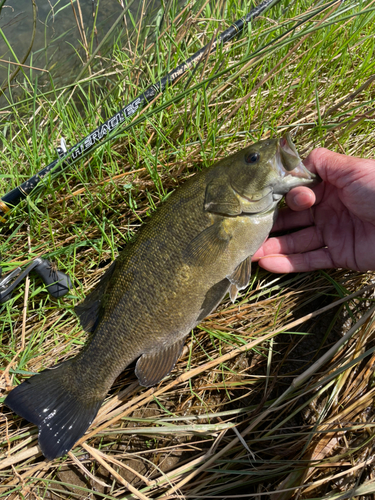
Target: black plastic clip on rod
58	283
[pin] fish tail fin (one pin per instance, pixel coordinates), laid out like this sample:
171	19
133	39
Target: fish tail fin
57	405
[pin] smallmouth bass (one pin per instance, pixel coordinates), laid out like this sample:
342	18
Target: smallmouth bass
196	248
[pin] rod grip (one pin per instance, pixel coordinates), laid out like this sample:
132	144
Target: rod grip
57	282
3	210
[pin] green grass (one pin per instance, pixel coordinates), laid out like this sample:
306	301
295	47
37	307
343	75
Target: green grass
295	69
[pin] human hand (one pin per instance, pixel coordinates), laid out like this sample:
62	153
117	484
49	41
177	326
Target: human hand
337	217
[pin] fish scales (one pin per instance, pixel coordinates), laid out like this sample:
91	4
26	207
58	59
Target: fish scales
194	249
156	292
150	278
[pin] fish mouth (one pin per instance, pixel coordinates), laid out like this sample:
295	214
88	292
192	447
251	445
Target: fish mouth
288	161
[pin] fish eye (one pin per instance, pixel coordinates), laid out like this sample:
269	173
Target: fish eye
252	157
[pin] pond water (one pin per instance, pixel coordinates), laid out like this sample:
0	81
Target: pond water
58	42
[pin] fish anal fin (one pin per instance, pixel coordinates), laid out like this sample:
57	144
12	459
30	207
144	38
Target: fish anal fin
62	416
89	309
240	278
152	367
208	245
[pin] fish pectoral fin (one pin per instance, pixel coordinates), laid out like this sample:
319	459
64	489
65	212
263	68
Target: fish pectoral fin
152	367
88	311
221	199
240	278
208	245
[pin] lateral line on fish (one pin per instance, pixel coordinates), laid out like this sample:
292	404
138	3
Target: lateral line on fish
152	393
167	280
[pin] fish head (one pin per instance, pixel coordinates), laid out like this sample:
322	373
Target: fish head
261	174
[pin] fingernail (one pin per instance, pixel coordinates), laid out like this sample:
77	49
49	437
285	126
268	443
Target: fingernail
301	199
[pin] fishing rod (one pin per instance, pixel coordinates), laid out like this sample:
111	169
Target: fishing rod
82	148
57	282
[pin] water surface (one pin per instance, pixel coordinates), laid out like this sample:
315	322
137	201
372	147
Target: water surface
58	42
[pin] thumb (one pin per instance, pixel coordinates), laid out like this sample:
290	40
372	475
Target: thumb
340	170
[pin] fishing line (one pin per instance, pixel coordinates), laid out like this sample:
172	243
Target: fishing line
99	135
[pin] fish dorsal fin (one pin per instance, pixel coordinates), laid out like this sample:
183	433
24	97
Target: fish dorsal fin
208	245
88	310
152	367
221	199
240	278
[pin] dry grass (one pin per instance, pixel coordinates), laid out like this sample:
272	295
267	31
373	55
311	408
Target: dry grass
260	404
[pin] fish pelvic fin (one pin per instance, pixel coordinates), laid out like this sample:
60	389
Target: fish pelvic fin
233	292
241	275
62	415
240	278
152	367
